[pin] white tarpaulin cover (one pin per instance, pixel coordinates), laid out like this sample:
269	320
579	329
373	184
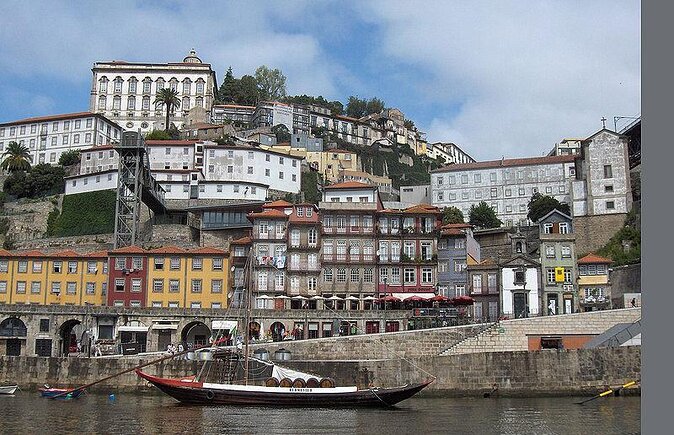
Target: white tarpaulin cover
223	324
403	296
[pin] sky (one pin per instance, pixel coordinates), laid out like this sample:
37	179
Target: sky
498	78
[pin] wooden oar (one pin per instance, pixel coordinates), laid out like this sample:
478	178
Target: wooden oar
607	392
164	358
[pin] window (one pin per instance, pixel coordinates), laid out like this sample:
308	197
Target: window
21	287
23	266
521	191
520	277
35	287
217	263
157	286
91	288
280	175
56	287
120	263
477	283
459	265
464	179
608	188
119	284
563	228
137	263
395	275
477	178
493	192
491	283
492	176
44	325
550	251
550	274
327	274
57	266
3	287
566	252
174	286
608	171
547	228
216	286
610	205
175	263
135	285
37	266
427	275
196	286
341	275
410	275
355	274
159	264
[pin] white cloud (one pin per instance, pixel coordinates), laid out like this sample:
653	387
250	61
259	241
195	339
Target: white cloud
526	73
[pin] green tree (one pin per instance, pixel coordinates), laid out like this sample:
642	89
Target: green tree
483	216
158	135
270	82
281	132
452	215
247	92
69	158
45	179
409	124
540	205
355	107
229	89
16	158
17	184
375	105
168	97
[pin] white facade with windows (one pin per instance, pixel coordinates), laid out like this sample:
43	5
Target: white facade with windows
48	137
449	152
126	91
506	185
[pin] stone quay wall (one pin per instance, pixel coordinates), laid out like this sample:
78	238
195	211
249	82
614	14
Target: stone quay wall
537	373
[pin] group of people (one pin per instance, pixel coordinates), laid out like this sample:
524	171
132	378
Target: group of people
180	348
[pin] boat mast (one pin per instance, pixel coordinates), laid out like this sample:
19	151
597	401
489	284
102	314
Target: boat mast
246	326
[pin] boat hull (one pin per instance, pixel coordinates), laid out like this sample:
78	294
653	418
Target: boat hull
60	393
202	394
8	389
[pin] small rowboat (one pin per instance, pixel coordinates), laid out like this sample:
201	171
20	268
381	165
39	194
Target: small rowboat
8	389
60	393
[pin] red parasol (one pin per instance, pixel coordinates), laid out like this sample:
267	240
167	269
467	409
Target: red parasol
439	298
414	298
388	299
462	300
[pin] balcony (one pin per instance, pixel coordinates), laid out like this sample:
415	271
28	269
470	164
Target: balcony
348	230
303	266
347	206
303	245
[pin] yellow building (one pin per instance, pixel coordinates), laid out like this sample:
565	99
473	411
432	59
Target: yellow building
62	278
330	163
187	279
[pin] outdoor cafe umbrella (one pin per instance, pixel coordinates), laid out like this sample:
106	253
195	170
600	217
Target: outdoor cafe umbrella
389	299
281	297
462	300
335	298
439	298
317	298
414	298
351	298
299	298
369	298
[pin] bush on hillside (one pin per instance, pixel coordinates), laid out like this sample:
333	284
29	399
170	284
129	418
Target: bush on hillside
84	213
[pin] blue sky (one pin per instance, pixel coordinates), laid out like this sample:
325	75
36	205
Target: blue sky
499	78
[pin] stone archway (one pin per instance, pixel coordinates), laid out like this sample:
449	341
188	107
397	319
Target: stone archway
254	331
13	331
277	331
195	334
69	333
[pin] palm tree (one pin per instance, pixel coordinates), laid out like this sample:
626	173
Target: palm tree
16	158
167	97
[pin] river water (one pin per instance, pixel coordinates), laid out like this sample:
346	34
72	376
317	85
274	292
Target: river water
26	412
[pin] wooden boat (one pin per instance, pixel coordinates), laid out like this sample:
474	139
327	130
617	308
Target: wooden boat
283	387
188	390
60	393
8	389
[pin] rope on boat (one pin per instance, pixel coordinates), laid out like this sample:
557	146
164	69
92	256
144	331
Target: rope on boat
377	396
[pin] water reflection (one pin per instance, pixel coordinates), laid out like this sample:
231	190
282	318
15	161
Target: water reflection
28	413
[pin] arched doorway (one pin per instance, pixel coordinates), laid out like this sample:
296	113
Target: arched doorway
277	330
69	333
195	334
13	331
254	331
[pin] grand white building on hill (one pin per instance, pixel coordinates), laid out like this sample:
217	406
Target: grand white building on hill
125	91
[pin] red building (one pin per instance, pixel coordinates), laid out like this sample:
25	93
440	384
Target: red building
127	277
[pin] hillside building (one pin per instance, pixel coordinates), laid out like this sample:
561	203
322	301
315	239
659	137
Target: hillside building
449	152
594	285
125	91
457	249
47	137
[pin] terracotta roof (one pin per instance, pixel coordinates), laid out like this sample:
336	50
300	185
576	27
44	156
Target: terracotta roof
447	226
54	118
351	185
5	253
421	209
234	105
96	254
168	250
202	125
269	213
452	232
339	150
129	250
593	258
68	253
242	241
278	203
97	148
31	253
153	142
207	250
507	163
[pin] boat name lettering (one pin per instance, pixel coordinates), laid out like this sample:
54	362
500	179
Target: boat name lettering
302	390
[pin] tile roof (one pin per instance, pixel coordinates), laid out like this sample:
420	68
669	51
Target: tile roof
31	253
421	209
96	254
168	250
129	250
278	203
507	163
242	241
68	253
447	226
269	213
154	142
51	118
351	185
594	258
207	250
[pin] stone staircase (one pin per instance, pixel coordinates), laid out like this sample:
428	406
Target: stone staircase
472	343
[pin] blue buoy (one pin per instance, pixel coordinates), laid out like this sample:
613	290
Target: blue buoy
111	397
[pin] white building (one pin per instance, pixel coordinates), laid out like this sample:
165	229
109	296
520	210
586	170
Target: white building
449	152
603	179
221	113
48	137
126	91
566	147
270	113
197	170
520	287
506	185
